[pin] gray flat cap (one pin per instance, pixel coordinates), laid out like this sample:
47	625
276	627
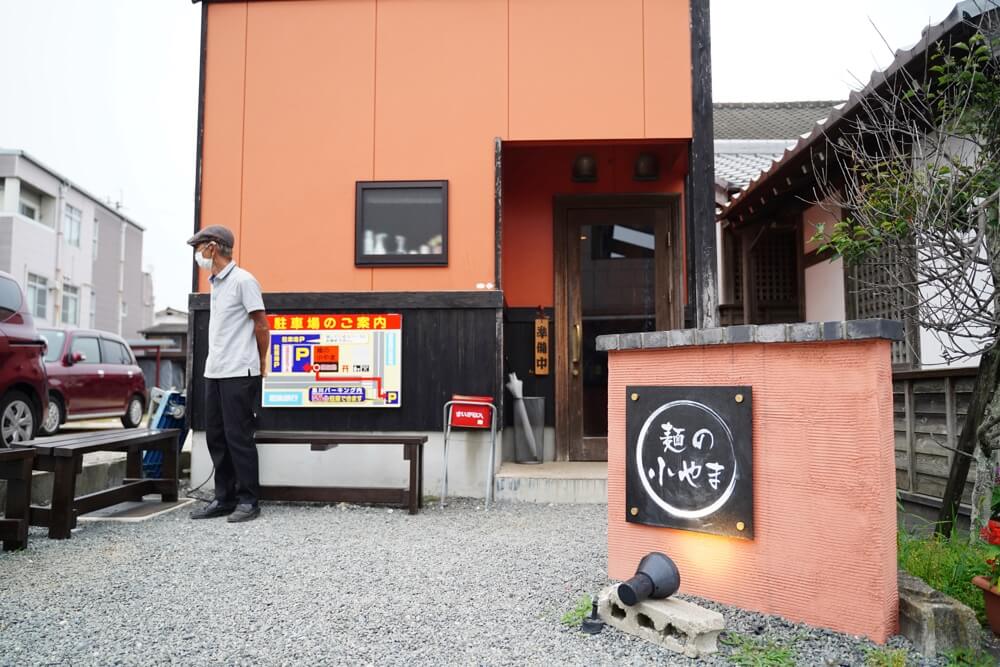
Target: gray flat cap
216	233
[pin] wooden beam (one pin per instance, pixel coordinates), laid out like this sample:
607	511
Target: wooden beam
701	173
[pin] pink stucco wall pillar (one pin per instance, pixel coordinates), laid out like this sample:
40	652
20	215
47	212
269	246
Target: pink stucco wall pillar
824	551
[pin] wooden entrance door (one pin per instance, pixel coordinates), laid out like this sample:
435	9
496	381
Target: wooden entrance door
617	271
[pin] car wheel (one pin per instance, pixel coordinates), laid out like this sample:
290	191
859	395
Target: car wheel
133	413
17	420
53	417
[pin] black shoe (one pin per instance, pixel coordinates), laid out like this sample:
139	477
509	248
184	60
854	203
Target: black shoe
244	512
212	510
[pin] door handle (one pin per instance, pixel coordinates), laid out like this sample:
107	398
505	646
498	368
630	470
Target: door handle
100	373
577	347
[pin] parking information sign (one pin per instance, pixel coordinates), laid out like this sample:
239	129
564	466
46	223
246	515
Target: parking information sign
334	361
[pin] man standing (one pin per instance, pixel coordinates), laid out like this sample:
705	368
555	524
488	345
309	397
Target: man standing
237	348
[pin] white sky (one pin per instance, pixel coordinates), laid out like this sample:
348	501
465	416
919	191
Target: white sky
105	91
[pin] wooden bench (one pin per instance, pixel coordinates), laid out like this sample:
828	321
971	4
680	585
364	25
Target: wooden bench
63	455
413	451
15	467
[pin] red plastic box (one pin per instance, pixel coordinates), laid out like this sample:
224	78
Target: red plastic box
470	415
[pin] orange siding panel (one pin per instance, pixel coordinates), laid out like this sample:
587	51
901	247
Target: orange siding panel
309	135
441	99
222	149
576	69
667	68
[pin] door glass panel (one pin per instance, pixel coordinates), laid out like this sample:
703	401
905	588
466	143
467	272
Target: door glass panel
90	349
618	295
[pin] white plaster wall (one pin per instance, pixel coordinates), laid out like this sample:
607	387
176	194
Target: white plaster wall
33	249
78	263
366	465
825	292
932	354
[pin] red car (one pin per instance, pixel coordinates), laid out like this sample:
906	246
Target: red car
22	370
92	375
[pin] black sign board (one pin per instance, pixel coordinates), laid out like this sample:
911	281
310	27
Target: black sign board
689	458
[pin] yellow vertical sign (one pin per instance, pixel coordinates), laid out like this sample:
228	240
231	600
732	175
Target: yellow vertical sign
542	346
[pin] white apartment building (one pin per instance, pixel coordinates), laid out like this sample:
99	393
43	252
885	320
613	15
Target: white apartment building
78	259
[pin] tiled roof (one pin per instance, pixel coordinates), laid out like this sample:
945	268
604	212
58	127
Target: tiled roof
737	162
768	120
961	18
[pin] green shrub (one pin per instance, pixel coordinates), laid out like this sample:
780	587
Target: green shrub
884	657
967	657
574	617
946	564
758	652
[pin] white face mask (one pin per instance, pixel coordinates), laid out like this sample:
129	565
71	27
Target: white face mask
202	261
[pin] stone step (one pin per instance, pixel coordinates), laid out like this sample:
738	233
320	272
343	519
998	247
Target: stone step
559	482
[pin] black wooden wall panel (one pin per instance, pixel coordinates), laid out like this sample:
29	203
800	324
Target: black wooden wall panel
519	357
449	347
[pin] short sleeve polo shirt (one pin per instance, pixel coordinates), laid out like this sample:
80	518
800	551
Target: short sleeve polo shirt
232	345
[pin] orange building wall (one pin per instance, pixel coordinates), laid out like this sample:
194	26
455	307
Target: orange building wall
823	477
533	175
305	97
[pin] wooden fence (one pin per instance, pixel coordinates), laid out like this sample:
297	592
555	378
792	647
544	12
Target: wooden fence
929	408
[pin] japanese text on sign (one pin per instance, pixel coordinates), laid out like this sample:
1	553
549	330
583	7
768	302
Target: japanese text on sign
542	346
334	360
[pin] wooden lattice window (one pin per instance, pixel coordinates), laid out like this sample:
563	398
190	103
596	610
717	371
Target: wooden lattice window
875	294
777	276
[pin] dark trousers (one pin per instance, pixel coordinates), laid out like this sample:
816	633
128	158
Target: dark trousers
230	416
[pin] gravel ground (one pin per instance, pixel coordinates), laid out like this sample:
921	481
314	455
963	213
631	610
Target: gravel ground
311	585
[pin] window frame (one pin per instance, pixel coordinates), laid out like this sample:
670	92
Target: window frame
362	259
72	225
21	205
75	292
34	284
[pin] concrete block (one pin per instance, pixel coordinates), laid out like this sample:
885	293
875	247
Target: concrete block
831	330
607	342
682	337
654	339
629	341
713	336
873	328
743	333
771	333
677	625
804	332
933	621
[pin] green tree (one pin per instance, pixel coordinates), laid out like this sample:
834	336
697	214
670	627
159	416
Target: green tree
917	174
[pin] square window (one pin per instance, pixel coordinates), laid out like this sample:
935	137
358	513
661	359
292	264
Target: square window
401	223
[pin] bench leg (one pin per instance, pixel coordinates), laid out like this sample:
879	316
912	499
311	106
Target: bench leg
133	463
420	476
170	469
18	503
63	494
414	456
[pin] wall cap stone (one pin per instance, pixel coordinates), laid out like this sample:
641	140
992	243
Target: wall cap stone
797	332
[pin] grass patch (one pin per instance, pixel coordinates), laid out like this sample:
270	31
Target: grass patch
966	657
946	564
757	652
883	657
574	617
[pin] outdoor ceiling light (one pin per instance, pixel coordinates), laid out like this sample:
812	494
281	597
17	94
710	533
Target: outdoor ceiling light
647	167
585	168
